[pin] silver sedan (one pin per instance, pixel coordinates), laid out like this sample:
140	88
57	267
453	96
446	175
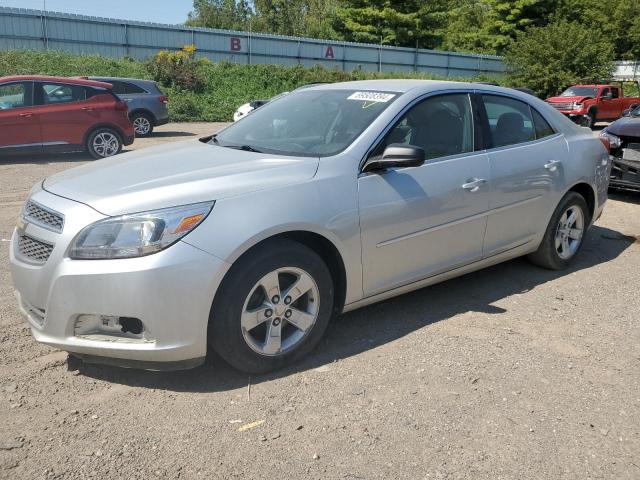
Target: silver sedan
325	200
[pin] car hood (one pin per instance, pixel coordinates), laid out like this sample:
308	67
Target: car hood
177	174
567	99
625	127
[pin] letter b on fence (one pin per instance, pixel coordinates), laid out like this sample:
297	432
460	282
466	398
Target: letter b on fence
236	45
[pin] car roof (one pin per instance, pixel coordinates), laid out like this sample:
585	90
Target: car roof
47	78
417	86
122	79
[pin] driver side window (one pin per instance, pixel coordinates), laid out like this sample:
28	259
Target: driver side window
441	125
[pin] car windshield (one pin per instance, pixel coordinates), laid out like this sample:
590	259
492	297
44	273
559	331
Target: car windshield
580	92
314	123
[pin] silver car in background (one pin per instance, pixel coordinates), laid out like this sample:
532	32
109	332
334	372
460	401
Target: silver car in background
326	200
147	103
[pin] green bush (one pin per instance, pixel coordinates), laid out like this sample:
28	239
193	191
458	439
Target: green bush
549	59
209	92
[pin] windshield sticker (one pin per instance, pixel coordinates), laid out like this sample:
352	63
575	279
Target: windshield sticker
371	98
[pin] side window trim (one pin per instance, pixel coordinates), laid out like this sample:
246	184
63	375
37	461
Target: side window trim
416	101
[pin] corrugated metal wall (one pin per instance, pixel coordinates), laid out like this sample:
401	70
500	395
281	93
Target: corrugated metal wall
38	30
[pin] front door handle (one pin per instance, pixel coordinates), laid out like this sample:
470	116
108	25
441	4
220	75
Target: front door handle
474	184
552	165
87	109
26	115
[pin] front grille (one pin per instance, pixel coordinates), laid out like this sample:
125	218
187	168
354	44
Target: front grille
33	249
43	217
562	106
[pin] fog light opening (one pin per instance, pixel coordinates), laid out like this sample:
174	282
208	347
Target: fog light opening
110	328
131	325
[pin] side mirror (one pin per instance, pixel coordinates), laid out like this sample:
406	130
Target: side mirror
627	112
397	155
608	96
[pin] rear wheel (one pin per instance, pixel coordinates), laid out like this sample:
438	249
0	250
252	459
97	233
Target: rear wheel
142	124
273	307
104	142
565	233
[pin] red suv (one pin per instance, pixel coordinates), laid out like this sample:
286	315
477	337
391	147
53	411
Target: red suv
58	114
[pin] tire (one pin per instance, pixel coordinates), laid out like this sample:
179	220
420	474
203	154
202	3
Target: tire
591	120
142	124
103	142
551	256
254	349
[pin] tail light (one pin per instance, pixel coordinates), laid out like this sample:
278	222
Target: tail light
121	106
163	99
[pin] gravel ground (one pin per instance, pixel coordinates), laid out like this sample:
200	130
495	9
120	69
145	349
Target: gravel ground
508	373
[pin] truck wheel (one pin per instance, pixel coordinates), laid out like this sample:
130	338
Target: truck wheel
590	120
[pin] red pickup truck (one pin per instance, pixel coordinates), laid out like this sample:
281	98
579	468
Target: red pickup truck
588	104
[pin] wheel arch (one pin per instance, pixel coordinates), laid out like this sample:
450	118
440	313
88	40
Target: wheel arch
588	193
145	111
110	126
320	244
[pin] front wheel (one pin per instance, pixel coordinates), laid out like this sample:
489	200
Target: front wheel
565	233
103	142
272	308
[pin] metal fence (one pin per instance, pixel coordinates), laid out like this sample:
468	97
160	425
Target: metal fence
40	30
627	71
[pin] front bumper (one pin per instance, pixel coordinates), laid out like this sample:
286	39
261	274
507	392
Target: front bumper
170	292
625	174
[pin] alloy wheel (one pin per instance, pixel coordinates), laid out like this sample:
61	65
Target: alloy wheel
569	232
280	310
142	125
106	144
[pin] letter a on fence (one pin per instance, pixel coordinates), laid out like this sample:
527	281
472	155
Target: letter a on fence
329	52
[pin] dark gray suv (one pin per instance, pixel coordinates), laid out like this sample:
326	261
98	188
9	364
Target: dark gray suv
147	104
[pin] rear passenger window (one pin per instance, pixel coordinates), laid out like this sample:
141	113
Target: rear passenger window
131	88
543	129
510	121
53	93
441	125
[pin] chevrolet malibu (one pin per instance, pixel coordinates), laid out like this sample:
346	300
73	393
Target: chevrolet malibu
328	199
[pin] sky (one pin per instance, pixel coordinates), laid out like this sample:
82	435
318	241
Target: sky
158	11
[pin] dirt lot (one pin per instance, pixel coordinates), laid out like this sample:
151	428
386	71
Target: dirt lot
509	373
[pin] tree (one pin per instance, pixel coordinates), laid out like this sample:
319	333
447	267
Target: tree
506	19
224	14
543	58
465	28
393	22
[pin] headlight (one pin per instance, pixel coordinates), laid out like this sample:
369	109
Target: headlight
137	234
614	140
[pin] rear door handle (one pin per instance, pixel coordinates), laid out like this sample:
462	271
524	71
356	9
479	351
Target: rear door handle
87	109
552	165
26	114
474	184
